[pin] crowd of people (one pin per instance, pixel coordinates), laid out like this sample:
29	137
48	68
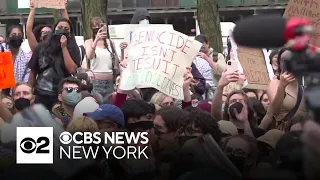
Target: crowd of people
258	131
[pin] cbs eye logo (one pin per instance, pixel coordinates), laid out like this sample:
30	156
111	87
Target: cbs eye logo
29	145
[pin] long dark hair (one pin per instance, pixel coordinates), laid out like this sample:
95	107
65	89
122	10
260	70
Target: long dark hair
278	72
37	31
10	30
51	49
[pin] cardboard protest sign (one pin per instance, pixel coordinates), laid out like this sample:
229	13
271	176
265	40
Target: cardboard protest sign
130	28
55	4
7	79
309	9
254	67
158	58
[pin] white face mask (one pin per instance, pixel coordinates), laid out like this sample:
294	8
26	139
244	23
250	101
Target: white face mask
145	21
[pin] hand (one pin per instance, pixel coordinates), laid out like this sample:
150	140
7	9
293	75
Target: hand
203	56
32	5
286	78
187	78
242	79
65	3
228	77
243	115
123	45
63	41
101	35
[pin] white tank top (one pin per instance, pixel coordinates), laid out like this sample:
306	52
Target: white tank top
102	63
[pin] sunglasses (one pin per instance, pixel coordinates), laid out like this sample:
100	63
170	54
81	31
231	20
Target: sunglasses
71	89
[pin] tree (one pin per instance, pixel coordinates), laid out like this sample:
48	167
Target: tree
209	22
90	9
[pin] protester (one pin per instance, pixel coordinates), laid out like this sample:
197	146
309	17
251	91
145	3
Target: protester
69	96
202	62
264	100
243	152
52	61
103	60
2	39
285	95
108	117
40	32
22	96
274	60
14	39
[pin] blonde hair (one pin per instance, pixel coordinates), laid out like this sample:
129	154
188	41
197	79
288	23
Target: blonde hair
82	124
158	98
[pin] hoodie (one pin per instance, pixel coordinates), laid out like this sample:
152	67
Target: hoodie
138	14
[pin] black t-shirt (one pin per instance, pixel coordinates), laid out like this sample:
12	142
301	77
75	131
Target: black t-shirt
51	69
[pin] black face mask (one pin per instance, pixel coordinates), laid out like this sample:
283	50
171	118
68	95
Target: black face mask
238	106
22	103
15	41
238	161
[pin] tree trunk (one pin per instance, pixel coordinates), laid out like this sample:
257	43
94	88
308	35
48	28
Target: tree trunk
90	9
209	23
56	15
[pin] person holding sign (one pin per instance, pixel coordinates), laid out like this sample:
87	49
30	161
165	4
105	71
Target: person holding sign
52	61
40	32
102	56
20	58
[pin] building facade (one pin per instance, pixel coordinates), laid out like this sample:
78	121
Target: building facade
180	13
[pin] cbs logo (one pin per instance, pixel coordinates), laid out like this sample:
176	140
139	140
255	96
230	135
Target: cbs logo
29	145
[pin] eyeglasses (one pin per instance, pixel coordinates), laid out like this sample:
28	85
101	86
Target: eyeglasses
236	152
71	89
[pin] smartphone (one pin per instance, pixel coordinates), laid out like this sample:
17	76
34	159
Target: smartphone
232	65
103	26
202	48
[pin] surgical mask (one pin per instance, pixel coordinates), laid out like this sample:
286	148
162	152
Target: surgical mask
22	103
73	98
15	41
145	21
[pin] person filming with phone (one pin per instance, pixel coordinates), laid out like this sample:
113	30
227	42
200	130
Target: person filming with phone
52	61
104	61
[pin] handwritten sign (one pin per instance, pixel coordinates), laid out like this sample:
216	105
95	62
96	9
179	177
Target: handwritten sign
309	9
254	67
158	58
130	28
55	4
7	79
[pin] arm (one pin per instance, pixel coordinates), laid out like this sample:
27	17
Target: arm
267	119
5	114
30	36
32	79
64	13
247	129
70	64
90	48
216	104
276	95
